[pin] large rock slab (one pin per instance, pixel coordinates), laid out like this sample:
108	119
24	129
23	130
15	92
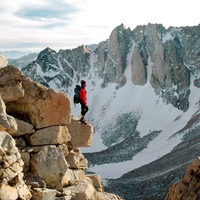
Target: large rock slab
41	106
81	134
50	135
50	165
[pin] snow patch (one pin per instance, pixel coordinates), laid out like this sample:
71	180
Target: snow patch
156	115
167	37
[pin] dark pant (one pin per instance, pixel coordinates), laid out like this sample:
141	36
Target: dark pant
84	109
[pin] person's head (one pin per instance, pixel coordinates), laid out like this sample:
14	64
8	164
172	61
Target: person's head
83	83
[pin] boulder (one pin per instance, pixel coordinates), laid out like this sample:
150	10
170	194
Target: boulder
8	192
73	176
96	180
23	191
43	194
50	165
23	128
66	195
84	190
7	121
77	160
12	92
41	106
6	142
81	134
50	135
34	181
3	61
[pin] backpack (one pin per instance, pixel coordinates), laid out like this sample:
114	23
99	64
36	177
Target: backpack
76	94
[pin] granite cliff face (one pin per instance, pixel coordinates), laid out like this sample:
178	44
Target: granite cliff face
165	57
143	92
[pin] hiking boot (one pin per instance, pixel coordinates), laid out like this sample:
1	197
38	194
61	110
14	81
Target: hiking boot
83	121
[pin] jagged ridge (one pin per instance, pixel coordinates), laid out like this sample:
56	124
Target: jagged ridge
131	62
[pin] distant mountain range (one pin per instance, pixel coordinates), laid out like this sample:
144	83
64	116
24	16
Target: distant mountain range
14	54
23	61
143	89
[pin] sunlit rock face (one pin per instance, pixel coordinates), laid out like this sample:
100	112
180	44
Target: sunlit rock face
3	61
40	156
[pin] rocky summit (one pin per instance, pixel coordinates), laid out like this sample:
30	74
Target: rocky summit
40	156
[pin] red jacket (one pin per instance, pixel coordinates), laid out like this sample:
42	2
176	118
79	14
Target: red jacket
83	95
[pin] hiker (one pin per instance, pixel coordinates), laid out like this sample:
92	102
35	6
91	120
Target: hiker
83	101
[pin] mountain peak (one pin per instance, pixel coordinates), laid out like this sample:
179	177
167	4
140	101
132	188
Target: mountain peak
48	49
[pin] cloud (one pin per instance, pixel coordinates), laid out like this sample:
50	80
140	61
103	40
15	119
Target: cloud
70	23
54	9
42	22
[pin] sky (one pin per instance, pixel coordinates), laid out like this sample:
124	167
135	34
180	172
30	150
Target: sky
31	26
